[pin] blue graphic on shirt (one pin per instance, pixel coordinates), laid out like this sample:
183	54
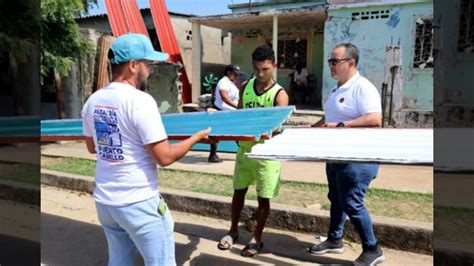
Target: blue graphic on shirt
109	139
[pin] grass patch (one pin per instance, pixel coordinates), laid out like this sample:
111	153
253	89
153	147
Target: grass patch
380	202
20	172
454	224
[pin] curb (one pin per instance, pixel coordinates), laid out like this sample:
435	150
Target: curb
20	192
392	233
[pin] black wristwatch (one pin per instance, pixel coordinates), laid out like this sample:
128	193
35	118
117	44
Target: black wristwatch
340	124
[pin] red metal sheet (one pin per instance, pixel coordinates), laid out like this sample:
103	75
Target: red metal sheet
164	30
124	17
134	17
116	17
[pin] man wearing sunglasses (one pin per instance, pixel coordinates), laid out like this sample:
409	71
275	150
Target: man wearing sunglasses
123	127
354	102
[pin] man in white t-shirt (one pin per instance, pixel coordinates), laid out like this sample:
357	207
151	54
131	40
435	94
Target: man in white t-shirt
354	102
123	126
300	79
226	97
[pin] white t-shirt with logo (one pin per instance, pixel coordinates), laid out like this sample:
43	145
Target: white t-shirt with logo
225	84
357	97
122	120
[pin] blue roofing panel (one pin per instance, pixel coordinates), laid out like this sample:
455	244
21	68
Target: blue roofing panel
246	122
19	126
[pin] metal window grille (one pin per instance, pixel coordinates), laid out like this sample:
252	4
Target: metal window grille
423	43
291	53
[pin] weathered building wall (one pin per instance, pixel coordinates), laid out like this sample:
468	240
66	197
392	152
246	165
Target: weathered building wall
454	98
162	85
371	36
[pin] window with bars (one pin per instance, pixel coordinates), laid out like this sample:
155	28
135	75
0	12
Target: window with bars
466	27
424	43
291	53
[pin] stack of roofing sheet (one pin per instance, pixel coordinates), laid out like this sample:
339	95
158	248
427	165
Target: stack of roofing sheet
248	124
393	146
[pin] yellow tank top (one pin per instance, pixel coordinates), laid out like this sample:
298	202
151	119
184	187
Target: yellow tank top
251	99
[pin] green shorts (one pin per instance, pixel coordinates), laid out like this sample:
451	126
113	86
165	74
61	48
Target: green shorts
265	173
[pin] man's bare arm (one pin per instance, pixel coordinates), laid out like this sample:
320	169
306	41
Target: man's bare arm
90	145
165	153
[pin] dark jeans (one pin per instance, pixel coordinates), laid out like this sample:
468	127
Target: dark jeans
348	184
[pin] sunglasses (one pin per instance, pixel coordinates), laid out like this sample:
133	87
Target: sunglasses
335	62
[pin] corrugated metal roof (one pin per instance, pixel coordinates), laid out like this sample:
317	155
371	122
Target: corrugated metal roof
393	146
247	124
304	17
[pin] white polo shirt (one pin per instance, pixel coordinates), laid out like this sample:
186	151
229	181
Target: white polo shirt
357	97
225	84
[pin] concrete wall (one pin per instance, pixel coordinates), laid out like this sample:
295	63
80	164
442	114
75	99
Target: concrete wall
79	84
372	36
454	98
162	86
317	64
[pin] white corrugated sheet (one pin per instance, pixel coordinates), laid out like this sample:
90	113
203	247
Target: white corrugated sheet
393	146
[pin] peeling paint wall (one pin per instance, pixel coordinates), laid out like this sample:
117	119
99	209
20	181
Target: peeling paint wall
454	98
371	36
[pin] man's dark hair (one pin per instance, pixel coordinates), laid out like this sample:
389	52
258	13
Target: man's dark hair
263	53
351	51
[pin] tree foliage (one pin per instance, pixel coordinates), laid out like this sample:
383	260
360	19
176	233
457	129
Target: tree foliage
61	39
19	27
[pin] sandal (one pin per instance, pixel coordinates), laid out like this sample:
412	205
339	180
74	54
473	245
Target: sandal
226	242
252	249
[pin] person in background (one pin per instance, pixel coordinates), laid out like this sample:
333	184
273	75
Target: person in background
226	97
354	102
300	79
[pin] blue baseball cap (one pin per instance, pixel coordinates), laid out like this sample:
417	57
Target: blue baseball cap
133	46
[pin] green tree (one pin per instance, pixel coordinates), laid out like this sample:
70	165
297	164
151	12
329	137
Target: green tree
61	41
19	33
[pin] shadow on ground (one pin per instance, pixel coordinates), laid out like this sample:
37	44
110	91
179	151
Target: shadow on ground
18	251
70	242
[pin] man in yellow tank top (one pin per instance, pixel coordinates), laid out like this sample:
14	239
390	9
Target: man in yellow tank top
261	91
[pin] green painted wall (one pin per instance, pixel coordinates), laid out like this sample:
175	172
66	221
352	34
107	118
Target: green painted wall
372	36
317	65
241	54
